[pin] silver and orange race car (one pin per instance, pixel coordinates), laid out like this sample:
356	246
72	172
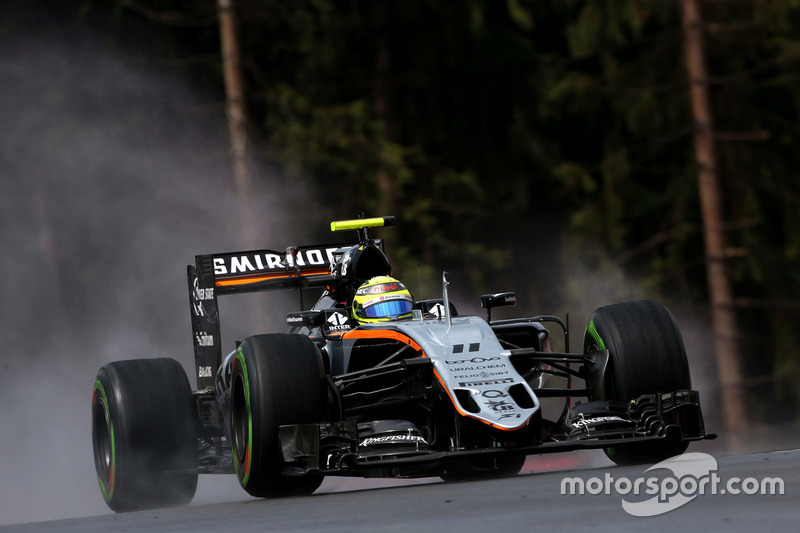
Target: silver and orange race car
369	382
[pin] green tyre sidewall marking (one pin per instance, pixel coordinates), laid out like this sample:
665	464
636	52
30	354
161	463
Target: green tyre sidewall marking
592	330
107	488
244	476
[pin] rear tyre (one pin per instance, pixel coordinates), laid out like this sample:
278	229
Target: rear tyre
647	356
276	379
144	434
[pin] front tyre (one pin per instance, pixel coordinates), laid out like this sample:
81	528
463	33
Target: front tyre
144	434
276	379
646	356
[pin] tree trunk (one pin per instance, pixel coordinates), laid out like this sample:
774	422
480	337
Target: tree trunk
236	113
721	294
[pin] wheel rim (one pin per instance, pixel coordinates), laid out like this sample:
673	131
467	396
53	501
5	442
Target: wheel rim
102	439
240	420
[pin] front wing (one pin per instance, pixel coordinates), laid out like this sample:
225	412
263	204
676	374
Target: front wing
336	448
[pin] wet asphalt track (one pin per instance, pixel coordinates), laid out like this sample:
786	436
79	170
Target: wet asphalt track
527	502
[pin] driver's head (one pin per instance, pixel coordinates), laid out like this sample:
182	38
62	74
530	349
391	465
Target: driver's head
380	299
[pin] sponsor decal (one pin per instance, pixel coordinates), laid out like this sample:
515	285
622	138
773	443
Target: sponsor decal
204	294
473	360
315	257
481	375
383	287
348	258
204	339
493	394
338	322
586	422
200	295
293	319
437	310
245	264
486	382
387	298
500	405
250	263
393	439
205	372
477	367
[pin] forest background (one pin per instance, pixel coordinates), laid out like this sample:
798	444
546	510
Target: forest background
540	146
494	129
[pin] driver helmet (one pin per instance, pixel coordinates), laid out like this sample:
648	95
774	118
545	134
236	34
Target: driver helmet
380	299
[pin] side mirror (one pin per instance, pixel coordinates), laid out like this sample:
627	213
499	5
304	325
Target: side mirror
311	319
500	299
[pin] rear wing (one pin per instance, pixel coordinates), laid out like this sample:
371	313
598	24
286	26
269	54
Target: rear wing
299	267
213	275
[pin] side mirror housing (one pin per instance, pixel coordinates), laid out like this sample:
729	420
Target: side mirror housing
313	318
500	299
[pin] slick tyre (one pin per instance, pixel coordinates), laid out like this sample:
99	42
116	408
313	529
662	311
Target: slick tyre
276	379
144	434
646	356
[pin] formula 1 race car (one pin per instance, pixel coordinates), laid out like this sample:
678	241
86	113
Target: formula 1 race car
369	382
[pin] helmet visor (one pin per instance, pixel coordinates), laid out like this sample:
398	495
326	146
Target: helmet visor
388	308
